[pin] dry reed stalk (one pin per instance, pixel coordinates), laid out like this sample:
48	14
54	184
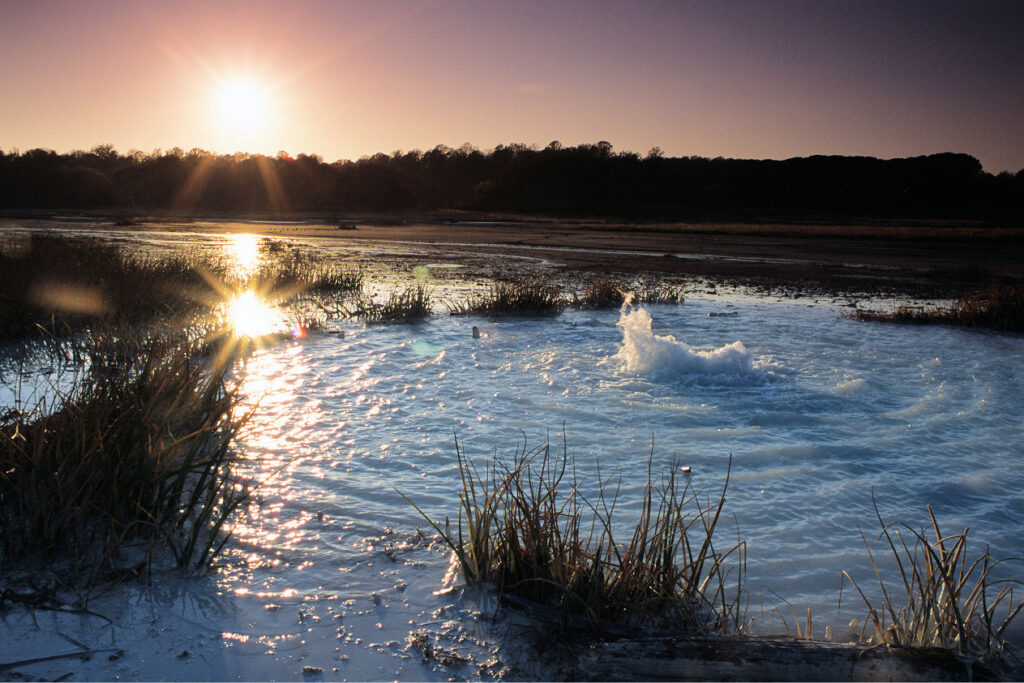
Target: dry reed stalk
136	454
942	598
519	530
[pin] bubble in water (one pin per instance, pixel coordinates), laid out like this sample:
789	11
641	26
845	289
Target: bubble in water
664	356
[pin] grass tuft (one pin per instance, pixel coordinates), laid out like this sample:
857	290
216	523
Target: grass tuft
653	293
410	305
604	293
527	529
941	597
133	458
1000	307
528	297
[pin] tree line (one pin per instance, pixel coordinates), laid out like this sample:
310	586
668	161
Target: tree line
584	180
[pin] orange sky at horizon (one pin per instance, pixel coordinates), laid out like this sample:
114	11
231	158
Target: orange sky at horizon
346	79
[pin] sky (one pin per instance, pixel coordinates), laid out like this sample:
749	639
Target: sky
730	78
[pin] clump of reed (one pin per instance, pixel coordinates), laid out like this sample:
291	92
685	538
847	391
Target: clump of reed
409	305
133	458
603	293
529	531
59	285
999	307
296	271
525	297
655	293
608	293
941	596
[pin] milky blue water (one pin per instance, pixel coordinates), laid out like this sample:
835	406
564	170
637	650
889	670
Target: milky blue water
818	413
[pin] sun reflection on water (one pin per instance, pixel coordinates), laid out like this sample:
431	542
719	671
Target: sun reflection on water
281	520
250	316
244	252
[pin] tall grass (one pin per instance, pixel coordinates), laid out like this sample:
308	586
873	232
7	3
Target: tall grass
602	293
409	305
656	293
135	457
296	271
940	597
999	307
526	528
60	284
527	297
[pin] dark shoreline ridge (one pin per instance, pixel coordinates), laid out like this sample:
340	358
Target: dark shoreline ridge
586	180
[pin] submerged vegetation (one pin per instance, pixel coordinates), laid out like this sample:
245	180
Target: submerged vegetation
530	531
999	307
133	457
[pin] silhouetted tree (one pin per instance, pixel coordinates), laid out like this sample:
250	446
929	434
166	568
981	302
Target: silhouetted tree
588	179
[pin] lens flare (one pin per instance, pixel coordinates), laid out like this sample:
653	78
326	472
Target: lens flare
251	317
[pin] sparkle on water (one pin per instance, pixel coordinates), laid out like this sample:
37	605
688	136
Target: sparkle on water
818	412
328	568
251	317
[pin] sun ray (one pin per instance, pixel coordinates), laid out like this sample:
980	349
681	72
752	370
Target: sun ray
275	192
191	191
250	316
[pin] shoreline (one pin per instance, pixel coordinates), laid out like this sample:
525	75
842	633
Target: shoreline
926	261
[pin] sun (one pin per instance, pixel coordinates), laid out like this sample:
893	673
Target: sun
242	104
242	109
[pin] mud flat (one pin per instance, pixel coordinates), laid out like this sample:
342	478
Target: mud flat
922	259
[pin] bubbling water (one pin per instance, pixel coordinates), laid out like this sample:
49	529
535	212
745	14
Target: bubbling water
821	416
664	356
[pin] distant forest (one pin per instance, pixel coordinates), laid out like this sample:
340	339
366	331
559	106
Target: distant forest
586	180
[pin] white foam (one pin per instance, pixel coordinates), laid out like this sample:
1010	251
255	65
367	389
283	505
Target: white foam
664	356
851	386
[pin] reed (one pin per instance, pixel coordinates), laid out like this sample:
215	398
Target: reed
409	305
297	271
940	596
133	458
63	284
603	293
654	293
525	297
526	528
999	307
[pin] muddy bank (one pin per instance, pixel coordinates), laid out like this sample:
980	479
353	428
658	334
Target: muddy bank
925	260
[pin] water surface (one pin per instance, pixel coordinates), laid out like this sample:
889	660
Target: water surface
819	414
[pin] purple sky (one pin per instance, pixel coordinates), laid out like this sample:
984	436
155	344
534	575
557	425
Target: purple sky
756	79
